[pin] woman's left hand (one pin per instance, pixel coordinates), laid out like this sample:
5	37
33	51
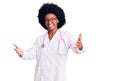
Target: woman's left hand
79	42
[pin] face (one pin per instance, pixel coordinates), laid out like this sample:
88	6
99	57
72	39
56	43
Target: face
51	21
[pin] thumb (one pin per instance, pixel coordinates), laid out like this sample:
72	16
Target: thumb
80	37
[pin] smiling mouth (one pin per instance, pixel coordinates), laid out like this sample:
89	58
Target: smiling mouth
50	26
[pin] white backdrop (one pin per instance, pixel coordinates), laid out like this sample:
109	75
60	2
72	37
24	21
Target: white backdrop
97	20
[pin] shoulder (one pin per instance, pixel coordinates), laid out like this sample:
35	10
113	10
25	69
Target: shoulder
40	37
66	33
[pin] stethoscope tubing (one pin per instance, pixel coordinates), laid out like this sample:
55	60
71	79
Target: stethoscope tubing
61	38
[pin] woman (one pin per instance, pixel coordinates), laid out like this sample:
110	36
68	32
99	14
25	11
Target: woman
50	49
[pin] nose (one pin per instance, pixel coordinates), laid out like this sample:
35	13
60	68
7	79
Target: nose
49	21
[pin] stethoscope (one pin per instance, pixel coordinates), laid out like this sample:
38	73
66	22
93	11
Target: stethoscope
59	41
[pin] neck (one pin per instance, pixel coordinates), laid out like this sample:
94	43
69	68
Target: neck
51	33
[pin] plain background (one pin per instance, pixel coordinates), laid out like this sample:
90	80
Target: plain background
97	20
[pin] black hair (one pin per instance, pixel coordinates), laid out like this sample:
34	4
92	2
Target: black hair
51	8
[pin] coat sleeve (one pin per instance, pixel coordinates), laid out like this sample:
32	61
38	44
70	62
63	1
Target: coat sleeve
71	44
31	53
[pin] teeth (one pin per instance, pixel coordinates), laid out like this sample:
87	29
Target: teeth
50	25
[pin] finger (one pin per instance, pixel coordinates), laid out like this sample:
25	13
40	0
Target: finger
76	45
78	42
15	49
15	45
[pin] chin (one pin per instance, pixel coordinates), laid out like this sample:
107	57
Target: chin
50	28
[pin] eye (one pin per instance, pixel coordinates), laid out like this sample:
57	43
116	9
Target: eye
50	20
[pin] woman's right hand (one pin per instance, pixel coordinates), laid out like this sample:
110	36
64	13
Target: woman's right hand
18	50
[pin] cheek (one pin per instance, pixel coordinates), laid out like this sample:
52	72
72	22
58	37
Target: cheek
46	24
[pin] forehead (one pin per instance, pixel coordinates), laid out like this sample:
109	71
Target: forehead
50	15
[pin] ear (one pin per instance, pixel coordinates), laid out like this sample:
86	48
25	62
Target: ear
57	21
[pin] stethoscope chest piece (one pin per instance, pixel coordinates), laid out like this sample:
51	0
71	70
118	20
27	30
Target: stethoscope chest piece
43	45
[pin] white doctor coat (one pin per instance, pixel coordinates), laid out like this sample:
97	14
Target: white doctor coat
51	59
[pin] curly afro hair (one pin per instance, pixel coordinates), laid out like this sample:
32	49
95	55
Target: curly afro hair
51	8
